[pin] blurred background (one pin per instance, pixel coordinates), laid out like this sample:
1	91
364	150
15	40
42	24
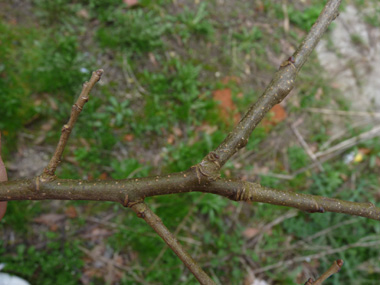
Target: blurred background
178	74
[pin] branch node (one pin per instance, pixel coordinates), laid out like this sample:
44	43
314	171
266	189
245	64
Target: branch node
37	184
65	128
75	106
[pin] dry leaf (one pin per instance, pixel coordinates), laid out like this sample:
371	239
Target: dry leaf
51	220
131	3
71	212
103	176
277	115
152	59
232	78
83	13
171	139
250	232
128	137
226	106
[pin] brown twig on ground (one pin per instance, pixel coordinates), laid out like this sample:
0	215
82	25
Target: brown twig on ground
286	263
334	268
306	147
342	146
343	113
49	170
142	211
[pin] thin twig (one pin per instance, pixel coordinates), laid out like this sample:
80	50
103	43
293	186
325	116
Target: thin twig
343	113
342	132
306	147
142	211
334	268
287	263
113	263
67	128
340	147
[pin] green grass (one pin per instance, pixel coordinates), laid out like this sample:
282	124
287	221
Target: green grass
178	55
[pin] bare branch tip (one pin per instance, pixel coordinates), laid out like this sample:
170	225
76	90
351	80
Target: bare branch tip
99	72
340	262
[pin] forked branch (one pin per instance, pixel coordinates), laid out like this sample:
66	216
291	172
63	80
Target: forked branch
280	86
203	177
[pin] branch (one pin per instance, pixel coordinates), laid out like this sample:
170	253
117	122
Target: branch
131	191
280	86
334	268
142	211
67	128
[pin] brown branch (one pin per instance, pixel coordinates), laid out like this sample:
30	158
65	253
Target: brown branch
334	268
280	86
131	191
67	128
285	263
142	211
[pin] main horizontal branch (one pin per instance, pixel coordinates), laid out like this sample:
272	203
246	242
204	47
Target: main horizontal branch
131	191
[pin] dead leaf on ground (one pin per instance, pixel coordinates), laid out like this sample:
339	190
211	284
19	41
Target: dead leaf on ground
276	115
226	106
51	220
128	137
207	128
250	232
131	3
231	78
171	139
71	212
103	176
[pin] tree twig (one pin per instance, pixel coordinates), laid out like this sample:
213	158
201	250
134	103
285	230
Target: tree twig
343	113
67	128
142	211
334	268
342	146
280	86
306	147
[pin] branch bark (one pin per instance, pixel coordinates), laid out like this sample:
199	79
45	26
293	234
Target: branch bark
67	128
142	211
280	86
131	191
203	177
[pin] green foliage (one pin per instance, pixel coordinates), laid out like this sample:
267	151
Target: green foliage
174	96
16	106
165	43
128	168
135	31
306	18
248	39
297	157
59	263
190	23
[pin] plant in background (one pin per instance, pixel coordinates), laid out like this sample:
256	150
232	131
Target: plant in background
203	176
